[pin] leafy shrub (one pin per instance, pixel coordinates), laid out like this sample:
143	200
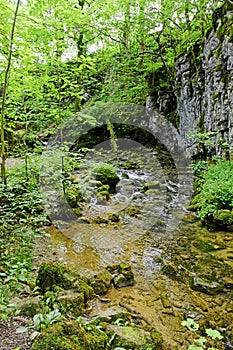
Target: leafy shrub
217	190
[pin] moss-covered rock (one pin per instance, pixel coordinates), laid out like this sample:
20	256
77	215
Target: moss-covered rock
135	338
99	280
71	336
104	192
100	220
71	302
122	275
49	275
132	211
73	196
114	217
52	275
107	175
29	306
223	218
150	185
112	314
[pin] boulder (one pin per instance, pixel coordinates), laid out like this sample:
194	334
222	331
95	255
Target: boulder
135	338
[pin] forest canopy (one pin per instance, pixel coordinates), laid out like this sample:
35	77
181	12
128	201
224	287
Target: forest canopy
65	52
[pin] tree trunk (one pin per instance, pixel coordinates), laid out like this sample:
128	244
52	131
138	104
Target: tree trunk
4	93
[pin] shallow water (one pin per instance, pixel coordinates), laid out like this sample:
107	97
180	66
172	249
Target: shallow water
163	233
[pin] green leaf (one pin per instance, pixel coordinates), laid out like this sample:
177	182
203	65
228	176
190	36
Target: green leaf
190	324
213	333
21	330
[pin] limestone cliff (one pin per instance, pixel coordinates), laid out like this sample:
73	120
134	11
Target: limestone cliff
205	94
203	98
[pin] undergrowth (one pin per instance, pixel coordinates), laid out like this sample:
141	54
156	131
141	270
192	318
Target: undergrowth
215	189
21	217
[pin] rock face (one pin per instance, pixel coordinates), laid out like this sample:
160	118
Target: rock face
203	101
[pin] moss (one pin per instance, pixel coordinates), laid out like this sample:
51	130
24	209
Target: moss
101	282
71	336
100	220
50	275
135	337
132	211
130	165
205	246
114	217
226	78
215	96
221	33
150	185
218	51
73	196
107	175
72	303
223	217
201	122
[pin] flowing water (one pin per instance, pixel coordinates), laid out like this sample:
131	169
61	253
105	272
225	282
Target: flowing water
165	245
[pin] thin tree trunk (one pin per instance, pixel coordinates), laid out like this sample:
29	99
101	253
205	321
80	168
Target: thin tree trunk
6	81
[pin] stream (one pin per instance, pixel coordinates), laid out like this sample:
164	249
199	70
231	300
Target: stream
181	269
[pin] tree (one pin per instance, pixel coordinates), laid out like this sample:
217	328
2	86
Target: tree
4	95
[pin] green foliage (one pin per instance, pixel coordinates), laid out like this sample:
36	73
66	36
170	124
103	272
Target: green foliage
201	342
216	192
40	322
50	275
21	217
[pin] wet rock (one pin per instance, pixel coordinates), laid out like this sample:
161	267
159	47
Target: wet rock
122	275
120	281
150	185
211	288
107	176
99	280
132	211
228	282
135	338
169	268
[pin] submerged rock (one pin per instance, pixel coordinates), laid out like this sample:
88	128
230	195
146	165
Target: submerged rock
211	288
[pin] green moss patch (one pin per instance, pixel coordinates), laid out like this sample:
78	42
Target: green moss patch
71	336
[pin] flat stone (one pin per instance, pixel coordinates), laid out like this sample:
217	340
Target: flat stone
210	288
132	336
110	314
